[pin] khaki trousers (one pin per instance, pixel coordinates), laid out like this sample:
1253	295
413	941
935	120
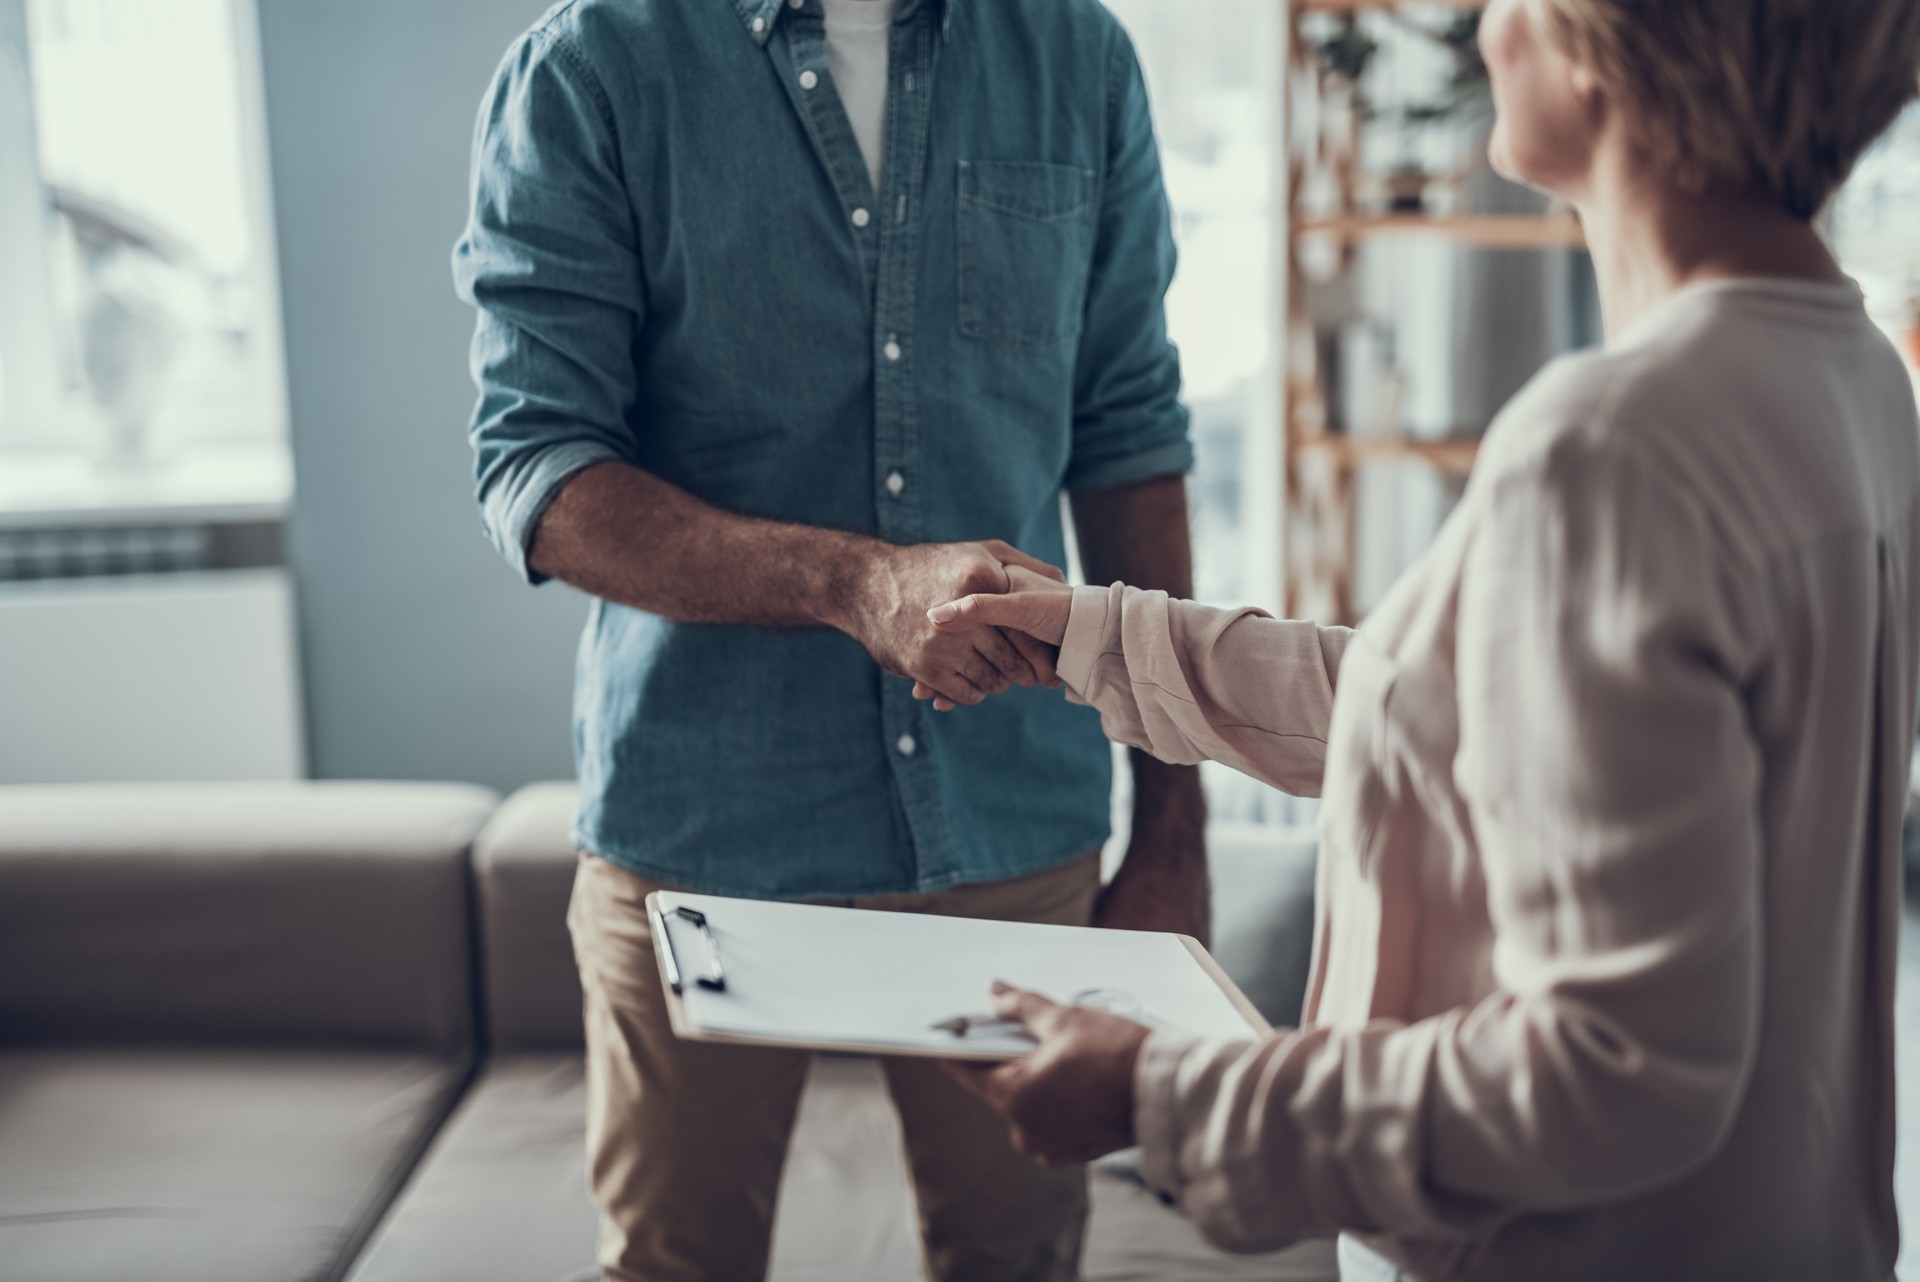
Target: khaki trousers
685	1140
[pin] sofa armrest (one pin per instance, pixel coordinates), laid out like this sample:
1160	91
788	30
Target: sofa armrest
524	862
239	914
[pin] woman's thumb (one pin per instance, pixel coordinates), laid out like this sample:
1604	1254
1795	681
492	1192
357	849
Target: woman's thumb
976	611
1028	1008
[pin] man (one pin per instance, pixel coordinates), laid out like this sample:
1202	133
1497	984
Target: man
788	309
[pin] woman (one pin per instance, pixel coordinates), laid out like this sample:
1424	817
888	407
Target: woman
1614	778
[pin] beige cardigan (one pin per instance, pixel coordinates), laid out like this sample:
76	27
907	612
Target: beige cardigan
1613	780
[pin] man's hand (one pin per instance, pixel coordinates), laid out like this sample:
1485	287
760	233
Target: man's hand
1029	609
1071	1100
887	613
1163	883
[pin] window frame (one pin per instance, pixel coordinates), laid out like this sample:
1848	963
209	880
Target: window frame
37	415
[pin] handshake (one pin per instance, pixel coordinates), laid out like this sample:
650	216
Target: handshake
962	621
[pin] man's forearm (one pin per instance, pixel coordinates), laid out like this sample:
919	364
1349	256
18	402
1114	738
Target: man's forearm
621	533
627	536
1138	534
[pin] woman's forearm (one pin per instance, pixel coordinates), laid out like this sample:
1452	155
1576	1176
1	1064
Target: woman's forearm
1189	683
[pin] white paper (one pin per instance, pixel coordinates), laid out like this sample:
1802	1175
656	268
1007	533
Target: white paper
850	977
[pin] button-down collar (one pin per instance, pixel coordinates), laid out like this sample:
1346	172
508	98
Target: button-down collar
760	15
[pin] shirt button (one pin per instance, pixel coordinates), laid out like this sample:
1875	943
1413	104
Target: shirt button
906	744
895	482
808	80
891	350
759	25
861	218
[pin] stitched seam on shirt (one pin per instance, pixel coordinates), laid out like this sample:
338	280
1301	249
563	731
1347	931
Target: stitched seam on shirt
1031	215
1115	73
869	276
1116	40
570	52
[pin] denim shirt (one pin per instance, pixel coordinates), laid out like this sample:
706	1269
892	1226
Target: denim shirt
678	260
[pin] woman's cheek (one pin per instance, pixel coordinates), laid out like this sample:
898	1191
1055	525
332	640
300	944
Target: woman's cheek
1500	153
1503	45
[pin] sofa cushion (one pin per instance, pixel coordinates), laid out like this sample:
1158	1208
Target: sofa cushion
502	1192
1263	912
523	864
256	914
204	1166
502	1196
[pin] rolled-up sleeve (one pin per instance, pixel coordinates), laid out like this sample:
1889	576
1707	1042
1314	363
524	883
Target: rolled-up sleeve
549	261
1190	683
1128	422
1612	784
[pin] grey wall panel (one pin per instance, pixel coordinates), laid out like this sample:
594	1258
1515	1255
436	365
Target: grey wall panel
425	658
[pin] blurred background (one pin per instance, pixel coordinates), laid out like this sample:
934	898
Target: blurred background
237	539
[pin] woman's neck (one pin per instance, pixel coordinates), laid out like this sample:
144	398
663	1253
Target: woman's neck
1650	240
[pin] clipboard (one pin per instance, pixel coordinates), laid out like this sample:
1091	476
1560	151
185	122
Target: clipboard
748	972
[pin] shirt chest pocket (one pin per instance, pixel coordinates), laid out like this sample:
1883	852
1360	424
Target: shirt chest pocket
1024	242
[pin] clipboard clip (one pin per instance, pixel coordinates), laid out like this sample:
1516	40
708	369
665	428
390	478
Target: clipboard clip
715	980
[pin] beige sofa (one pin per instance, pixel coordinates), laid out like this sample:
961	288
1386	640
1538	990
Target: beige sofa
331	1031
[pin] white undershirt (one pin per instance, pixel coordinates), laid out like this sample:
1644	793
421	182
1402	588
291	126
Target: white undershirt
858	32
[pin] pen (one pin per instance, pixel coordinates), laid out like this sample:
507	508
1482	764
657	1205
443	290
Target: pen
961	1025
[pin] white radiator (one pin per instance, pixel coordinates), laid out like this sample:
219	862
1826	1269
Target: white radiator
161	677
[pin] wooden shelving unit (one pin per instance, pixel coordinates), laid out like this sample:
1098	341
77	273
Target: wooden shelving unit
1490	231
1322	465
1446	455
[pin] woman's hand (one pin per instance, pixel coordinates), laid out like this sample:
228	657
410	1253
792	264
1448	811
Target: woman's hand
1033	606
1071	1100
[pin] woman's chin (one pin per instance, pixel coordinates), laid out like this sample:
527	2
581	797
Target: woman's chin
1500	155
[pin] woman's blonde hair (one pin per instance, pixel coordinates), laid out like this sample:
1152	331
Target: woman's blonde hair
1768	98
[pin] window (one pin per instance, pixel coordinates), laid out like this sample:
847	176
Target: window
1213	72
140	321
1872	230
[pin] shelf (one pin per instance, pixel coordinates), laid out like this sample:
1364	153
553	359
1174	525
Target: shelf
1454	456
1492	231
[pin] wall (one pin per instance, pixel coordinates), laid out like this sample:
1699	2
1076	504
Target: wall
425	657
166	676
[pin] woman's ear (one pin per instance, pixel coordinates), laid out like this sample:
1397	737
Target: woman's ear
1588	92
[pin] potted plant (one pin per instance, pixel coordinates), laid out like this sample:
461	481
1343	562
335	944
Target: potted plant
1345	51
1464	96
